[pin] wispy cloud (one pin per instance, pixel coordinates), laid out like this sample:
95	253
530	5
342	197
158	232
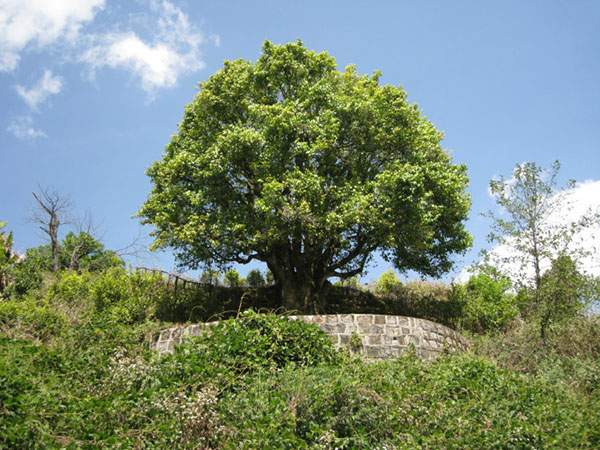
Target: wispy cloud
39	23
49	84
158	62
22	128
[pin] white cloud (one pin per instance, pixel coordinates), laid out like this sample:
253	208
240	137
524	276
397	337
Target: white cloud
158	63
40	23
49	84
576	203
22	128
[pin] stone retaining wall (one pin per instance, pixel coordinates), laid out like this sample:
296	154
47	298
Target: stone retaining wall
376	336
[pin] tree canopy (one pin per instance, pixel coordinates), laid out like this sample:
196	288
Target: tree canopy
310	170
539	223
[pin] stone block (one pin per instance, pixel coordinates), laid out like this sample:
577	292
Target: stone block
364	319
376	329
165	335
373	351
379	319
393	330
395	352
346	318
176	333
327	328
431	344
427	354
401	320
331	318
350	328
363	328
412	339
396	341
374	340
392	320
335	328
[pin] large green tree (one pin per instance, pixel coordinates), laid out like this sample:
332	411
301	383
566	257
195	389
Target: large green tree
310	170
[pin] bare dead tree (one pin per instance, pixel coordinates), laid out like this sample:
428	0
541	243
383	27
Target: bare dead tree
51	212
137	248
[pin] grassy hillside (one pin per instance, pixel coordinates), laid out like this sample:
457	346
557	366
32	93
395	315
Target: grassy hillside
76	372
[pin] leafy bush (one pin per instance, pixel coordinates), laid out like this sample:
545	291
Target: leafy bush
82	251
487	302
268	382
127	297
28	274
29	319
236	347
387	284
570	354
29	393
124	296
562	294
458	402
70	288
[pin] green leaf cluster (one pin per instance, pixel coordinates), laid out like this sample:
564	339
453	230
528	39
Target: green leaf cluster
488	303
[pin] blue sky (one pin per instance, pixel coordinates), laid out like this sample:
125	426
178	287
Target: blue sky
92	90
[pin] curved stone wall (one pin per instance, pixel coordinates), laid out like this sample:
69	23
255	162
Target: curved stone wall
376	336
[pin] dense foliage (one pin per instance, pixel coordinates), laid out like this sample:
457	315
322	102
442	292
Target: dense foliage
76	372
310	170
488	304
101	388
460	402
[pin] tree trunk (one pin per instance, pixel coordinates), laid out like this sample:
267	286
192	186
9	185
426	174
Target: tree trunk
300	296
55	255
300	284
53	233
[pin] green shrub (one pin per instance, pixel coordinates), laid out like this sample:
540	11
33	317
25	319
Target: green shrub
127	297
458	402
124	296
487	303
28	274
387	284
28	319
70	288
30	394
562	294
83	251
570	353
236	347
